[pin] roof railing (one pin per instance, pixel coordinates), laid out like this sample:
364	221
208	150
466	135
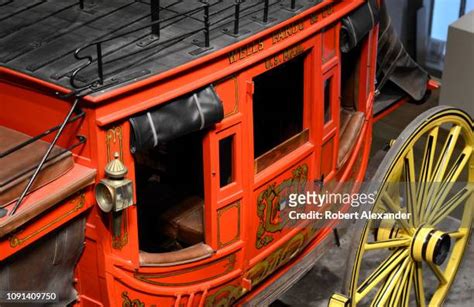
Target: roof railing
202	14
97	64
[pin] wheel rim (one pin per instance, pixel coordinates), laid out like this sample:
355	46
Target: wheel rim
423	185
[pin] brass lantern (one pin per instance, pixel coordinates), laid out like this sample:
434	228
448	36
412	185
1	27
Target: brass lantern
115	192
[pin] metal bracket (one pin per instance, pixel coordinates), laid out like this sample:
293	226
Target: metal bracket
148	40
319	182
337	241
292	8
242	32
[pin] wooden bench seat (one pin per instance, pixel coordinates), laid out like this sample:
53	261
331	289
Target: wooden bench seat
184	221
17	167
59	178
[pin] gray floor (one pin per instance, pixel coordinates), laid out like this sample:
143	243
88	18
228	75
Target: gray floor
326	277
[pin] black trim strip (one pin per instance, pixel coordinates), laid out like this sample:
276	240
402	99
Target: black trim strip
425	244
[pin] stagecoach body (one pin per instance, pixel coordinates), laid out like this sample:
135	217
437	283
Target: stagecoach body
189	131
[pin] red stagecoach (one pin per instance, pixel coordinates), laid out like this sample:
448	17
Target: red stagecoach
147	147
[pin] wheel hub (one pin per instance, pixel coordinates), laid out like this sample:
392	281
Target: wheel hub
430	245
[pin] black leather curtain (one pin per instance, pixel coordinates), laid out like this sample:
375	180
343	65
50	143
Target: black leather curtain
47	265
394	64
184	115
358	24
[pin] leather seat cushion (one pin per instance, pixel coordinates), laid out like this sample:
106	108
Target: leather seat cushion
344	120
17	168
350	128
184	221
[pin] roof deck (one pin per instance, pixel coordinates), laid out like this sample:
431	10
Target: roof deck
93	45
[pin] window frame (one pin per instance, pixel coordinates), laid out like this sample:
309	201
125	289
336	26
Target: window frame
236	184
302	137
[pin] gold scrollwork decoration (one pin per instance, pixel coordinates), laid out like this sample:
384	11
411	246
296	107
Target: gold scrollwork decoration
127	302
113	136
120	242
235	110
268	204
229	294
225	296
16	241
277	259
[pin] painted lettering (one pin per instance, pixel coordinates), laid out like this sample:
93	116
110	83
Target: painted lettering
314	18
245	51
287	31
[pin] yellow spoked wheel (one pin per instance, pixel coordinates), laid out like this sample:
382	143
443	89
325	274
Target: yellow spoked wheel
427	178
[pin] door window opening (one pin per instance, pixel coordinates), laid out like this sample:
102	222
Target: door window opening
278	105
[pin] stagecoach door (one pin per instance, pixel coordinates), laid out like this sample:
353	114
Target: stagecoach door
281	138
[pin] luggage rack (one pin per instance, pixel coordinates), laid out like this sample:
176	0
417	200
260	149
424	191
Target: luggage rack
102	61
207	26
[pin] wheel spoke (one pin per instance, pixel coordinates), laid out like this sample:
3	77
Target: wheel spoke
392	206
449	181
448	207
410	188
383	294
426	169
399	292
382	271
439	274
446	154
388	290
390	243
419	284
406	291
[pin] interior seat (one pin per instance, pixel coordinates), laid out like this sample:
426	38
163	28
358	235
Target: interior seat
17	167
351	120
351	123
184	221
